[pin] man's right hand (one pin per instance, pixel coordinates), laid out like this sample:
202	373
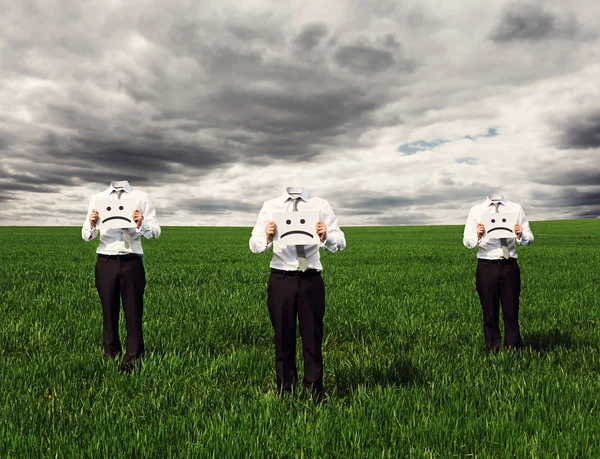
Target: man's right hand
93	218
480	231
271	228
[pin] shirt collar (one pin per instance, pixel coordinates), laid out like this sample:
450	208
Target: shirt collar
493	198
292	192
122	184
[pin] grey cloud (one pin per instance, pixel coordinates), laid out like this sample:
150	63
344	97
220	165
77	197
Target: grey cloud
5	197
193	103
593	212
373	57
568	197
566	177
412	219
217	206
532	22
378	203
582	132
310	36
383	202
42	182
54	212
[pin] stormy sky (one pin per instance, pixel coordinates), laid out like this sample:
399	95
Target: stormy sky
397	112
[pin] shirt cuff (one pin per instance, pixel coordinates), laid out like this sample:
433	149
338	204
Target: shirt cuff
328	242
143	227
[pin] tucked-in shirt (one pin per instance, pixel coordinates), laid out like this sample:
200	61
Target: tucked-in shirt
115	241
286	257
491	249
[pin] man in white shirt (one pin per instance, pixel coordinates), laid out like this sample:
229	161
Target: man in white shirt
296	287
120	272
498	278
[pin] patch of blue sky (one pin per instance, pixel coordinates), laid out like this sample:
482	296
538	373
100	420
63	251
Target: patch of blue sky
422	145
419	145
491	132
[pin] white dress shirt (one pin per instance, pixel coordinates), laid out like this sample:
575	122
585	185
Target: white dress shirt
491	249
114	241
286	257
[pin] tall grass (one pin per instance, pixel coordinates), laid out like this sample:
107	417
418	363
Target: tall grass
403	351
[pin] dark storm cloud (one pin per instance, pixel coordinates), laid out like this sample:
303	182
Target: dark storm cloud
532	22
200	96
566	177
569	198
382	202
592	212
582	133
41	182
310	36
365	57
4	197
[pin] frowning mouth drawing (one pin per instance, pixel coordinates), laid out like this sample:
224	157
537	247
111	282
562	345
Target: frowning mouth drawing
297	232
116	218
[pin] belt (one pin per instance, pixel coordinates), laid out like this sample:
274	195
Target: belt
298	273
126	257
501	261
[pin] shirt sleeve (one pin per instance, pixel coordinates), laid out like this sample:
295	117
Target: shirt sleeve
527	235
335	239
87	233
470	239
149	227
258	240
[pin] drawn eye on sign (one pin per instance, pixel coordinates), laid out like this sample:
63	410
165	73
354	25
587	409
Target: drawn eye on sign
500	225
115	213
296	228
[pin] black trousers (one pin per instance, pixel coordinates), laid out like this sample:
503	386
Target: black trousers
124	279
499	283
288	296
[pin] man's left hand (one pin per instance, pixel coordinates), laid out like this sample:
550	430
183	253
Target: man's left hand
322	231
518	230
137	218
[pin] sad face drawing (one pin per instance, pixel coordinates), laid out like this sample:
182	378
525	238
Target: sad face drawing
500	225
115	213
296	228
116	217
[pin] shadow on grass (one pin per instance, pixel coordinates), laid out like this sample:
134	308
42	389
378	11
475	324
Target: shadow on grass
548	340
399	372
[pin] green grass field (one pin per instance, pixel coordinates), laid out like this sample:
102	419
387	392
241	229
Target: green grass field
404	357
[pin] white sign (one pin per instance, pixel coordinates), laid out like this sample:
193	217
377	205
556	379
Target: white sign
296	228
498	225
115	213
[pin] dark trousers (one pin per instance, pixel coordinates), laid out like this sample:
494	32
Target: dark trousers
304	296
499	283
124	279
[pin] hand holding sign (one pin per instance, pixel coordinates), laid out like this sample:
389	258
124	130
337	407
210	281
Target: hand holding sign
93	218
296	228
115	213
322	231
